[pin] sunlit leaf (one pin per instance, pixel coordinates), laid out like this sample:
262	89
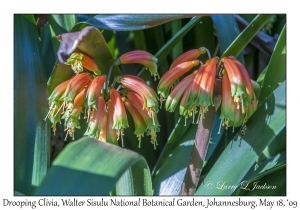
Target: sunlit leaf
90	167
276	71
246	35
31	132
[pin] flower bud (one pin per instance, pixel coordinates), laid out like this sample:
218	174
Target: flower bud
96	120
76	84
141	57
188	56
169	78
79	60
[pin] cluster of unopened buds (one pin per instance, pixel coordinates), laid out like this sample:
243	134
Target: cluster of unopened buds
195	91
103	106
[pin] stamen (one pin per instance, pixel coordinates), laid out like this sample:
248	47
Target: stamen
193	117
243	111
66	136
62	106
219	132
50	109
153	137
199	115
88	117
161	100
122	138
194	111
85	114
54	128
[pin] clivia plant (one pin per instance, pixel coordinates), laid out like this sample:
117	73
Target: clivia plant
143	106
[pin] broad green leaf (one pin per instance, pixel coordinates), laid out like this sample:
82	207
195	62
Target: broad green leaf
276	71
272	76
278	145
91	167
238	157
92	44
275	184
124	22
259	170
246	35
31	132
227	31
59	24
48	54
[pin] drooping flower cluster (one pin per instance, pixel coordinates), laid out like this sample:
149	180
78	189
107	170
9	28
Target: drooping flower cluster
238	97
104	109
195	91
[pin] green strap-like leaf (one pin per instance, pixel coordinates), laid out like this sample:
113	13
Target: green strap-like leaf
276	71
275	185
124	22
227	31
266	167
91	167
246	36
259	170
48	54
31	132
238	157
